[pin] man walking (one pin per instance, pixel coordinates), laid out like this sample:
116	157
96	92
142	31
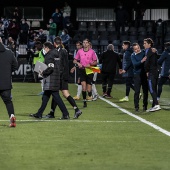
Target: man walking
8	64
85	58
109	60
51	80
64	74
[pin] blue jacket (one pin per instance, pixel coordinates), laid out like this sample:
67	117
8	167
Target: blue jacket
138	67
164	61
127	63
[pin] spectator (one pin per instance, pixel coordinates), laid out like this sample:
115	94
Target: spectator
24	28
2	31
57	18
66	14
16	15
122	17
159	26
12	45
52	30
109	60
32	38
42	36
139	13
5	23
65	38
13	29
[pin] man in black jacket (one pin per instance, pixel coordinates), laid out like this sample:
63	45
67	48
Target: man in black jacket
64	75
8	64
51	81
109	60
151	69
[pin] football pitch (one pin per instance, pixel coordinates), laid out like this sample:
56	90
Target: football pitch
109	135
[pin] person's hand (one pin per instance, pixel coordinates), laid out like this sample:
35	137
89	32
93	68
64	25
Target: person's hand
72	70
88	65
144	59
154	50
120	71
0	40
147	74
79	65
123	71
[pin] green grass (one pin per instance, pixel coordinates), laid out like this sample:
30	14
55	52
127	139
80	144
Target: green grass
103	138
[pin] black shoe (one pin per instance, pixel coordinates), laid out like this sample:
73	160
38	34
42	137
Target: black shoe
136	109
64	118
144	108
85	105
49	116
77	114
35	116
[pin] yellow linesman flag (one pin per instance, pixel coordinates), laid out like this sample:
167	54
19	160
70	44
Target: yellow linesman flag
90	70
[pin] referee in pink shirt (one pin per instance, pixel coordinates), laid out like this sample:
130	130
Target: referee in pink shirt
85	58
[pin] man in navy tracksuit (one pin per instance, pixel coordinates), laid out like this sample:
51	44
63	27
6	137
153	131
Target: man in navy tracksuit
138	58
127	71
151	68
164	61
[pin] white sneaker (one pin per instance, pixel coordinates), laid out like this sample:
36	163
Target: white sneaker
155	108
95	97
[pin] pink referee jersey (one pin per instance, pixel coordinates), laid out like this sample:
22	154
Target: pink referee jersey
86	57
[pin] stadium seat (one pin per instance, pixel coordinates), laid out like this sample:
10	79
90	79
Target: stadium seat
82	26
101	26
92	26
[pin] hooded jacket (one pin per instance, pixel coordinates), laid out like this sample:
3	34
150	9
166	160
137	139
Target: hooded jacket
8	64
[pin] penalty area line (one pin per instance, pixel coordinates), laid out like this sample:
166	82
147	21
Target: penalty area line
137	117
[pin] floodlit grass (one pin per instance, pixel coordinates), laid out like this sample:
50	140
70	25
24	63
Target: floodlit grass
103	138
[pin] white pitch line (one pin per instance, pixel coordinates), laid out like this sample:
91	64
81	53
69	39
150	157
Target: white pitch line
137	117
84	121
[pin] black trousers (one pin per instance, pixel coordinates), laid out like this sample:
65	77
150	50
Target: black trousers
152	83
161	82
107	82
6	97
140	80
129	84
57	99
